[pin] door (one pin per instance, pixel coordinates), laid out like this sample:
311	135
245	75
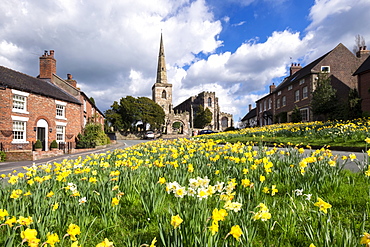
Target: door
41	136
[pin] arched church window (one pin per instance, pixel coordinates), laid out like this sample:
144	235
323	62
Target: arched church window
164	95
210	102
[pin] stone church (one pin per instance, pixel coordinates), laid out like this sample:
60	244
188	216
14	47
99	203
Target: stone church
184	113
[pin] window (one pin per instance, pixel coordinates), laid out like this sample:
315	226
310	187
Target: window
84	105
277	103
60	133
260	107
19	101
164	94
279	92
264	105
19	131
270	103
301	82
304	114
60	109
296	95
210	102
304	93
290	87
283	101
325	69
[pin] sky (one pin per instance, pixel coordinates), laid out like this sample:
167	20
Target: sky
236	48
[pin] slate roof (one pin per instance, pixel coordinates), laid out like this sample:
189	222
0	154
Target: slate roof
15	80
365	66
251	114
306	70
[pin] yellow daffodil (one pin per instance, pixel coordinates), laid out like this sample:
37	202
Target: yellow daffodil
3	214
323	206
73	230
105	243
176	221
236	232
52	239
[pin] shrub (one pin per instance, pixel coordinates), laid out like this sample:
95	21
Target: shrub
2	156
54	144
92	136
38	144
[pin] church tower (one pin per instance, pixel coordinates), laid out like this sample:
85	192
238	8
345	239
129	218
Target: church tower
162	90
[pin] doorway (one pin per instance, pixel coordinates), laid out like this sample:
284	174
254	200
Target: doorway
42	134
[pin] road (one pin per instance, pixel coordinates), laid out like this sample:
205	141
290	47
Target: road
8	167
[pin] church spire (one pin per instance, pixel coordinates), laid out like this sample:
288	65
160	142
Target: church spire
161	70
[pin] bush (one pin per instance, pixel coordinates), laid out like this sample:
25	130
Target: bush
93	135
38	144
2	156
54	144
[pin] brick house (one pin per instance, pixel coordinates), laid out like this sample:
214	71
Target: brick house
250	119
296	89
363	78
46	108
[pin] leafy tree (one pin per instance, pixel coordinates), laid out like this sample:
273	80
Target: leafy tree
296	115
354	105
324	98
130	111
92	100
202	118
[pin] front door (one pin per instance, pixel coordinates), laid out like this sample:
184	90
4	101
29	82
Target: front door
41	136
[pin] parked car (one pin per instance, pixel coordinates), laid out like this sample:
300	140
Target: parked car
203	132
149	135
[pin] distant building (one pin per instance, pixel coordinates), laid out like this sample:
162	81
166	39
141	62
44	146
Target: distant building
250	119
46	108
363	75
185	112
296	89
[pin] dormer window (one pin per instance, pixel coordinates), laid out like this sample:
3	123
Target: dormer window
325	69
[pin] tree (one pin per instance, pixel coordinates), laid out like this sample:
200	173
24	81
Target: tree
354	105
130	111
359	42
296	115
203	117
92	136
324	98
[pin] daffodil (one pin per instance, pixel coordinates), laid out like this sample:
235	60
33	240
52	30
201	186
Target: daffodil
323	206
176	221
3	214
52	239
236	232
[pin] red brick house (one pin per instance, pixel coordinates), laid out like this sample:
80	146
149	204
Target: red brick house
296	89
46	108
363	78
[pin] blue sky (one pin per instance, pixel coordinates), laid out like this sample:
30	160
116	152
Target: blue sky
236	48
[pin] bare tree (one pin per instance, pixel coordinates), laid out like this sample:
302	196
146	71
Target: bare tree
359	42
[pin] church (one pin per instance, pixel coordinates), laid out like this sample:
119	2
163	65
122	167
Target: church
180	119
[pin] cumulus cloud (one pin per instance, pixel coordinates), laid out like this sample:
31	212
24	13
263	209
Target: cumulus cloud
111	48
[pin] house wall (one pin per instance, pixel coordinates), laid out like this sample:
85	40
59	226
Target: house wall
38	107
363	89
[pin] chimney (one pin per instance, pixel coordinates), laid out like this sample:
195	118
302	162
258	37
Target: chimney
71	81
362	52
294	68
48	65
250	107
272	88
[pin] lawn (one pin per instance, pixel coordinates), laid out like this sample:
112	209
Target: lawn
199	192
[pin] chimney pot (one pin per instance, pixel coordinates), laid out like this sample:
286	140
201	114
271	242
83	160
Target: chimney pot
69	76
250	107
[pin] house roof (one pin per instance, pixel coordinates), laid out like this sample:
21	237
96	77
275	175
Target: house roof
365	66
251	114
16	80
306	70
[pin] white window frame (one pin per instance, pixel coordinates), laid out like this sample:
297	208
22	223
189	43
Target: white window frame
279	93
325	69
62	107
270	104
304	92
23	121
296	96
283	101
23	98
278	103
61	125
290	87
304	114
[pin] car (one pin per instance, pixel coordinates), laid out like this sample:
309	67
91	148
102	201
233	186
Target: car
203	132
149	135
